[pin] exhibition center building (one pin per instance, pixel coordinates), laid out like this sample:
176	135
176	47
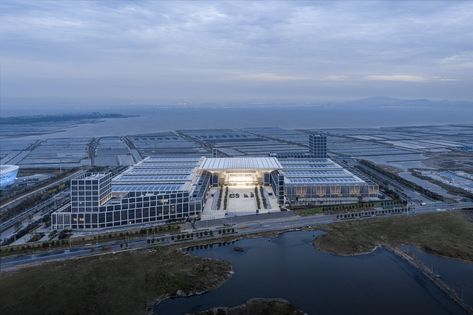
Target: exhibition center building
8	175
167	189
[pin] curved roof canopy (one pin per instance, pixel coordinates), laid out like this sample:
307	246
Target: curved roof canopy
240	163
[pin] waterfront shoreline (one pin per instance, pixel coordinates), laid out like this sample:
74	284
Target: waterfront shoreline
180	293
266	305
442	285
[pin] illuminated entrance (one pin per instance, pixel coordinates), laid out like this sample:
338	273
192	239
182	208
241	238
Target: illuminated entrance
241	179
240	171
239	186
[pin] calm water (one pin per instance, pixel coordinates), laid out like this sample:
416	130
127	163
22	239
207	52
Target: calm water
159	119
456	273
290	267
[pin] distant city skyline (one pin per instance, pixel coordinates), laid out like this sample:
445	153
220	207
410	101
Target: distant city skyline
233	52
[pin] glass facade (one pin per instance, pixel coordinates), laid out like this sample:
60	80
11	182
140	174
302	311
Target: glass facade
100	201
90	191
166	189
135	208
318	146
305	181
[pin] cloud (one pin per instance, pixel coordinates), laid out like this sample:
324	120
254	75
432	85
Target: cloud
195	47
337	78
461	60
266	77
407	78
397	77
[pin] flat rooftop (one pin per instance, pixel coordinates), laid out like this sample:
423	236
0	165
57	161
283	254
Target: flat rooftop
158	175
313	171
171	174
240	163
93	176
8	168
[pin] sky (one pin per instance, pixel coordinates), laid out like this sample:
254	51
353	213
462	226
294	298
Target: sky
69	53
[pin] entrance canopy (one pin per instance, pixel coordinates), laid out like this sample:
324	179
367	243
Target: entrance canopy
240	164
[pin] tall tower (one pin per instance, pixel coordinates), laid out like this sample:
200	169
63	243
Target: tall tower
90	191
318	146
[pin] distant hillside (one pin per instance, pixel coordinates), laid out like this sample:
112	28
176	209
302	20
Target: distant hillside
19	120
397	102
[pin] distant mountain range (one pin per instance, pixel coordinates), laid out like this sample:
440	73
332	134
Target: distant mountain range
15	120
397	102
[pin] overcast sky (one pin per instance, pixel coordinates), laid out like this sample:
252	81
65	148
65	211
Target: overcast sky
225	52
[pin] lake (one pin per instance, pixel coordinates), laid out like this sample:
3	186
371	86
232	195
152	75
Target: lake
290	267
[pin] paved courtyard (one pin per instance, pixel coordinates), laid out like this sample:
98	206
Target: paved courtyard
241	201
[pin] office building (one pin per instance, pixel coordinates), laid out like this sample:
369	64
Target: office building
318	146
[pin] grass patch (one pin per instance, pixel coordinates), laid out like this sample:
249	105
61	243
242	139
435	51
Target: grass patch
124	283
308	211
447	233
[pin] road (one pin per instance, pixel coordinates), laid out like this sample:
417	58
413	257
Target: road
441	206
49	205
244	225
39	190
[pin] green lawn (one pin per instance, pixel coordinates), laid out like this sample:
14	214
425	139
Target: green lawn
308	211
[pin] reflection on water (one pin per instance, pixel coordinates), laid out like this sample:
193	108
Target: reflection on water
456	273
290	267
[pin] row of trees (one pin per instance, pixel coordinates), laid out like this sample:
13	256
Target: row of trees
64	238
452	189
220	196
20	233
225	201
199	234
385	204
263	197
31	202
10	194
258	202
401	180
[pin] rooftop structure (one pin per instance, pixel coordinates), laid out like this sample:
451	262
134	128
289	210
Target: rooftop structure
160	189
314	180
8	175
240	163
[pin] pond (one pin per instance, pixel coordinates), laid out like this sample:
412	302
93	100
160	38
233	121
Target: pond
290	267
456	273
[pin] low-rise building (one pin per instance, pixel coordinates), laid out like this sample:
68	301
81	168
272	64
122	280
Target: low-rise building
158	190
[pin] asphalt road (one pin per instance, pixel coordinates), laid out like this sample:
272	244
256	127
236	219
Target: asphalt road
36	191
244	225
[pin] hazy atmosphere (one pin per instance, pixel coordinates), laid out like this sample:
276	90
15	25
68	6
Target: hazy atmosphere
64	54
244	157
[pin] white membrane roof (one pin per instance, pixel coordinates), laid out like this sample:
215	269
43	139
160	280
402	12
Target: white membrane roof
240	163
8	168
